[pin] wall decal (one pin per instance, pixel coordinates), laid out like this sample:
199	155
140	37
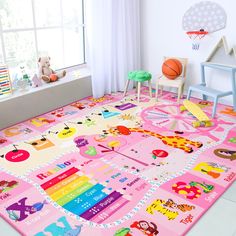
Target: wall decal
222	54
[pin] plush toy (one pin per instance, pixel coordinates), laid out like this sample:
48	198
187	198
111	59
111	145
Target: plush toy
46	73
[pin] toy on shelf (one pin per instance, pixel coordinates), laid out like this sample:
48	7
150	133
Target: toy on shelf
36	82
202	118
5	82
25	75
46	73
21	78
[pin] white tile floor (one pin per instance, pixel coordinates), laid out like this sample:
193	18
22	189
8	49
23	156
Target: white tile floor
219	220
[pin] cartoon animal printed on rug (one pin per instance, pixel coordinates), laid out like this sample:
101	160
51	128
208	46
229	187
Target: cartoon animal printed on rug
225	153
191	191
182	207
145	227
158	205
74	232
212	169
168	208
61	227
173	141
5	186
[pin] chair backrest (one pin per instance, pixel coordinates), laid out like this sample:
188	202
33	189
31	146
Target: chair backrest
184	62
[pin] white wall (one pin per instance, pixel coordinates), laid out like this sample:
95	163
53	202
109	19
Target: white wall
162	35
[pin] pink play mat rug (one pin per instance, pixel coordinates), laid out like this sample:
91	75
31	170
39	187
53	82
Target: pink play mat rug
112	166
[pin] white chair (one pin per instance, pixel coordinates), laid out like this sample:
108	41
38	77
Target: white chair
176	83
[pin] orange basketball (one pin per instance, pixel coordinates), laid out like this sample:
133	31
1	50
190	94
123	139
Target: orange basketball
172	68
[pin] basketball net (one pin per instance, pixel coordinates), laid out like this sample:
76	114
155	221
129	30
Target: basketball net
196	37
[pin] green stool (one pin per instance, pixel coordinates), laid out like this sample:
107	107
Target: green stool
139	77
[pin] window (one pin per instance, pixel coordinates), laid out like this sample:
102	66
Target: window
33	28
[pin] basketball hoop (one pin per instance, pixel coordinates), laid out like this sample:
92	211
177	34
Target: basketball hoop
196	37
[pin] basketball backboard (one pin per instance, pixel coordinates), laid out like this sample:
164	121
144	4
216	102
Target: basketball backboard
206	15
201	19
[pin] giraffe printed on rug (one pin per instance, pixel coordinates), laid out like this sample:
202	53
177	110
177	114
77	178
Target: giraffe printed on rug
173	141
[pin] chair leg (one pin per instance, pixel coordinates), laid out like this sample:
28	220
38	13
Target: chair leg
157	87
139	88
214	107
189	94
136	87
150	88
162	90
126	87
182	90
204	97
179	93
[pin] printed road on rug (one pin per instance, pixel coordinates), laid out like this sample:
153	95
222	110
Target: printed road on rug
111	166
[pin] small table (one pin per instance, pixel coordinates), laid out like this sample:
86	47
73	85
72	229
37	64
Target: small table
216	94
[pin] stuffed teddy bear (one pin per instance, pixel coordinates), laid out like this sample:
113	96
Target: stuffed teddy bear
46	73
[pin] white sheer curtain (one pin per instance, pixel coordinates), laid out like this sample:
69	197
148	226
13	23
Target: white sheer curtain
113	33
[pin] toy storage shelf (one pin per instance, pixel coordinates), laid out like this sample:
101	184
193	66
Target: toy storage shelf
216	94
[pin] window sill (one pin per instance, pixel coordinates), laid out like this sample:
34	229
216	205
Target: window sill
73	74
